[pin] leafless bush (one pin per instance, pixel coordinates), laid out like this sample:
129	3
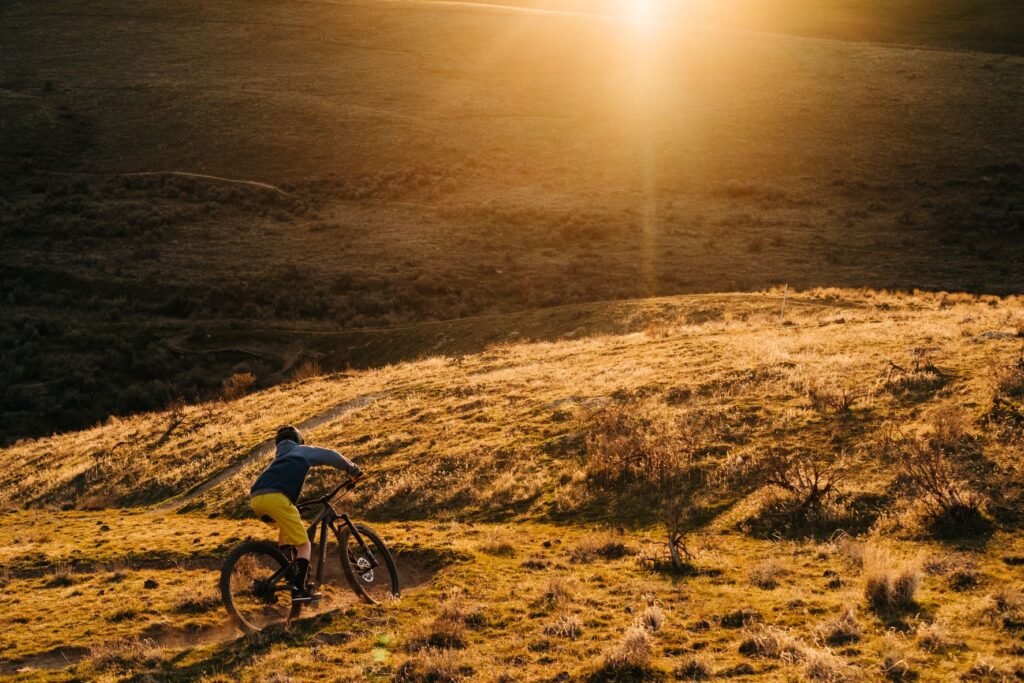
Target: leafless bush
922	375
928	465
807	478
831	395
237	385
890	581
662	460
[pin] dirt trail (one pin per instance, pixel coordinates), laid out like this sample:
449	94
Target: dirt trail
264	449
416	570
179	174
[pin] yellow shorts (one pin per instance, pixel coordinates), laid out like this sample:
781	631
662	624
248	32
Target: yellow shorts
286	516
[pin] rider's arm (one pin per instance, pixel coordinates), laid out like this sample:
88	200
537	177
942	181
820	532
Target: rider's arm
325	456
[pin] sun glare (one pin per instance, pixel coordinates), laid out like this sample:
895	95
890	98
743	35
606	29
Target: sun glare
641	10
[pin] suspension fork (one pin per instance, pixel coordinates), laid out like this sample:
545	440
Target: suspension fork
359	539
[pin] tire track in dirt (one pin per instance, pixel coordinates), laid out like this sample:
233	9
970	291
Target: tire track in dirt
264	449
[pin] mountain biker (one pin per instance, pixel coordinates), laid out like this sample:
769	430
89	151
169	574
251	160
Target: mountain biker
275	492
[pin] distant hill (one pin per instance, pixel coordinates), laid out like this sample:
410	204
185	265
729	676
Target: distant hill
169	169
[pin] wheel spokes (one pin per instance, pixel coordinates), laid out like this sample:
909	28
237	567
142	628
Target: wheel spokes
259	592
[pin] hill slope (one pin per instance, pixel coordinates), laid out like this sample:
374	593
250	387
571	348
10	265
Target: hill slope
434	162
487	477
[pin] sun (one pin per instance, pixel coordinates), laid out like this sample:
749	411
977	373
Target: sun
640	10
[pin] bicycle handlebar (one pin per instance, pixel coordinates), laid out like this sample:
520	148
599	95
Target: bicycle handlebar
347	485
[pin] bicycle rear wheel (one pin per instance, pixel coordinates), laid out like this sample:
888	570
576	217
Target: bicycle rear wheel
255	590
371	570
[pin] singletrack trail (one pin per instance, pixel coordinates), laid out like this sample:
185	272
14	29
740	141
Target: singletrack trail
264	449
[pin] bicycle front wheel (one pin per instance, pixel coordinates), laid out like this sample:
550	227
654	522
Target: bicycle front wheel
368	566
254	587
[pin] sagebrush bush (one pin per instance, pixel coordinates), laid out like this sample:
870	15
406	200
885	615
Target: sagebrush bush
643	453
931	465
808	480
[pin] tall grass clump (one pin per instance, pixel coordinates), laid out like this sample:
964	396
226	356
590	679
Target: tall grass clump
890	581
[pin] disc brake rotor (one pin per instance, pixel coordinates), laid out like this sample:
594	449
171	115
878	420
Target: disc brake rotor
366	572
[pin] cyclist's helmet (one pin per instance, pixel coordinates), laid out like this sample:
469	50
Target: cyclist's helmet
288	433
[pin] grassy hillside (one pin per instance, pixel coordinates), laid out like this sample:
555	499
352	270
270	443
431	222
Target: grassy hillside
534	548
378	164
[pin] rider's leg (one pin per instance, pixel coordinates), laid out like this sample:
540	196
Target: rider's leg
304	552
292	532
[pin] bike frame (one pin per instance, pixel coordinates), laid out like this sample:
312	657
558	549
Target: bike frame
328	518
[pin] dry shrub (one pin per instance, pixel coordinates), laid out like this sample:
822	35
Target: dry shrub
922	376
433	666
927	463
935	637
771	642
890	581
695	668
652	618
809	484
447	630
766	575
842	630
606	547
990	670
633	653
823	665
557	594
565	625
1009	380
307	370
640	453
831	394
237	385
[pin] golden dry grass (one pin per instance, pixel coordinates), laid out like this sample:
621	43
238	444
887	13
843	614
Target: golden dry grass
518	568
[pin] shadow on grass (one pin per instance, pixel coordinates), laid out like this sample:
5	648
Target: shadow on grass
231	654
781	519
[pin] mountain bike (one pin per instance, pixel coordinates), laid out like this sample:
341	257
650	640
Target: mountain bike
256	579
